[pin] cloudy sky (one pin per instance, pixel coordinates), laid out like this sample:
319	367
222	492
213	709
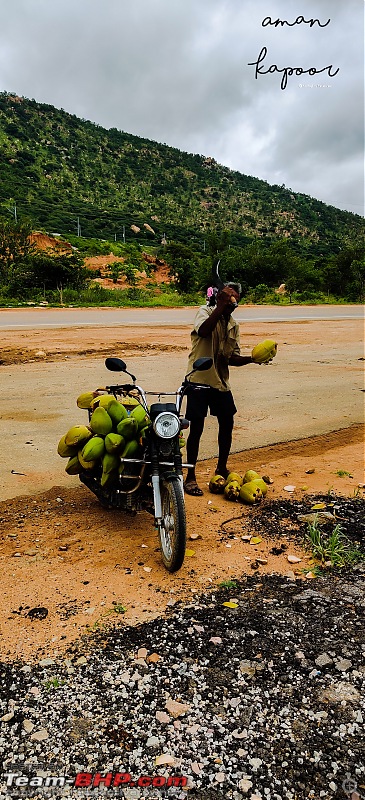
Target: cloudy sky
177	71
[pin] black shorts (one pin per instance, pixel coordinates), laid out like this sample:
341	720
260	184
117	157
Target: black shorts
220	404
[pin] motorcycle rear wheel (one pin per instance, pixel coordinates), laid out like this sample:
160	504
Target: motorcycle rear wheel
172	529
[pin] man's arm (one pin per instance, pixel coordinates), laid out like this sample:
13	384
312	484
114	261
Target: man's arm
239	361
224	299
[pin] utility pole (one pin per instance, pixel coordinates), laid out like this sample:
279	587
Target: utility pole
123	235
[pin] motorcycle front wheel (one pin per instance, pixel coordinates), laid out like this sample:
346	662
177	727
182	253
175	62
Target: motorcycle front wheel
172	529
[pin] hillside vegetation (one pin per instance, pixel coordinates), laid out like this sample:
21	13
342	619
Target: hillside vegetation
62	174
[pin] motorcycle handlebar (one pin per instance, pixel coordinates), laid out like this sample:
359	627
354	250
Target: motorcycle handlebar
125	387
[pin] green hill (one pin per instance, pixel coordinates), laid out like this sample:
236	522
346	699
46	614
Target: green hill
60	172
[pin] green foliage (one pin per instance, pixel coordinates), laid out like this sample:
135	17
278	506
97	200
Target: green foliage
54	683
115	268
334	548
23	269
183	266
342	473
59	171
59	168
227	584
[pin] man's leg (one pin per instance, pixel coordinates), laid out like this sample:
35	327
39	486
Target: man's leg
225	428
192	450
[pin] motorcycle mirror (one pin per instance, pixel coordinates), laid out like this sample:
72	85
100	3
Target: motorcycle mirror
203	364
115	364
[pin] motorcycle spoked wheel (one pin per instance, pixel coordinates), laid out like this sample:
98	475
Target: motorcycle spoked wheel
172	529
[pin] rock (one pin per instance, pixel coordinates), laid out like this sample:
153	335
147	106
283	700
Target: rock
38	613
255	763
323	660
165	758
293	559
245	785
142	653
176	709
343	664
319	516
153	741
239	734
153	658
338	692
40	736
7	717
220	777
162	717
81	661
193	729
247	668
28	725
262	561
46	662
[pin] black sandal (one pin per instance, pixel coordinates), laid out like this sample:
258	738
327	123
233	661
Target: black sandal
191	487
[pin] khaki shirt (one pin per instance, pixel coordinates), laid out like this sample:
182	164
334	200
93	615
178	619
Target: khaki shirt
220	345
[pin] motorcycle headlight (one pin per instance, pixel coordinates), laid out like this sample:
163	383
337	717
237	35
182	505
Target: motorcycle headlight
166	425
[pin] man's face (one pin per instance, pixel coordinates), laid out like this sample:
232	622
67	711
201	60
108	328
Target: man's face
231	306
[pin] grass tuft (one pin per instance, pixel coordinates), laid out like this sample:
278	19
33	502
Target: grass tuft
333	549
228	585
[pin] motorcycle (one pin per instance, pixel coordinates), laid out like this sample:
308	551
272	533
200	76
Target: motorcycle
153	481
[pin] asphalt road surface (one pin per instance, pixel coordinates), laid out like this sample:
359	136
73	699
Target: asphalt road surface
42	318
315	385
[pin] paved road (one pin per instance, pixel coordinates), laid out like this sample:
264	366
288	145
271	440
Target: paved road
42	318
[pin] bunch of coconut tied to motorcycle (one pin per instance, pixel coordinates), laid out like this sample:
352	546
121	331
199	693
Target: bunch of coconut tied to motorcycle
116	430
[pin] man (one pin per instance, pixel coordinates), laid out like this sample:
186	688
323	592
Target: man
215	335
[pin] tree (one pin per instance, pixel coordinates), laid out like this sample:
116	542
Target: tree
15	247
23	267
115	269
182	266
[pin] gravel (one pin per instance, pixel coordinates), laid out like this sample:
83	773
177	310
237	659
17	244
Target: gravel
263	699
